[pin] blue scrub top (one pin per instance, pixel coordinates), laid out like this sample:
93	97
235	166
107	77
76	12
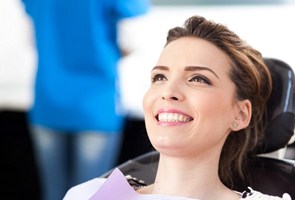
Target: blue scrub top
76	80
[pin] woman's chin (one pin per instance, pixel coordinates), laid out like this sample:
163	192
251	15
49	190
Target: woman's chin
171	149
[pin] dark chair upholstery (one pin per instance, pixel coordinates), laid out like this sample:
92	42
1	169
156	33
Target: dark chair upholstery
281	107
269	175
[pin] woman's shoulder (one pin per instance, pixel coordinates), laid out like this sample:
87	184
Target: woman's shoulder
255	195
84	190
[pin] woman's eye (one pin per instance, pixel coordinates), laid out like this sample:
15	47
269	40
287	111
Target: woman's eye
158	77
200	79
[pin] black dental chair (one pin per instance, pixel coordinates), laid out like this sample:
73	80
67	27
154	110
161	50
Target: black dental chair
271	176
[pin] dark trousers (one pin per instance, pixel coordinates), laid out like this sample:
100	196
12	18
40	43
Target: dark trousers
135	140
18	171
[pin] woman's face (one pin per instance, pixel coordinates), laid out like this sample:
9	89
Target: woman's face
190	105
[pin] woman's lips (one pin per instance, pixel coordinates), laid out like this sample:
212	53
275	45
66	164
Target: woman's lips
173	116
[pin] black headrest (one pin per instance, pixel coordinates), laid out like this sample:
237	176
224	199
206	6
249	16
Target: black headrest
280	108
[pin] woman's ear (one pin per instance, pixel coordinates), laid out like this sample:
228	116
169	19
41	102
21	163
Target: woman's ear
243	117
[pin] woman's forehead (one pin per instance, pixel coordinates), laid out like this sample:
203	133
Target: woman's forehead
189	51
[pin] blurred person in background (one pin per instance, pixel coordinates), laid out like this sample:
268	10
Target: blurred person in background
17	54
76	117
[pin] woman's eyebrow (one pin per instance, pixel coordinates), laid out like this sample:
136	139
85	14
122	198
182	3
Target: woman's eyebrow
198	68
160	67
187	68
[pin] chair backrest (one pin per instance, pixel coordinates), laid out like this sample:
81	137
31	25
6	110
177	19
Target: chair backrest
268	175
281	107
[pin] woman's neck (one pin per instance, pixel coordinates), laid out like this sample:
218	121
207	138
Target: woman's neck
189	177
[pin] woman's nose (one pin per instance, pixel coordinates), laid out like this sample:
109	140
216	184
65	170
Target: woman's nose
174	94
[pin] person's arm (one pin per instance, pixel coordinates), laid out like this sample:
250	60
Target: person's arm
133	34
131	15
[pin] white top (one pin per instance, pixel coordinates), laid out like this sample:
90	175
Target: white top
17	55
116	187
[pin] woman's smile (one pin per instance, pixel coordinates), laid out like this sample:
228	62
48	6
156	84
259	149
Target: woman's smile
172	117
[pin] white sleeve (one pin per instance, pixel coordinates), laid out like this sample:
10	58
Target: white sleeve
133	32
85	190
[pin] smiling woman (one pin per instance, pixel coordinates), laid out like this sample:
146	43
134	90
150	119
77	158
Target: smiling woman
193	87
204	113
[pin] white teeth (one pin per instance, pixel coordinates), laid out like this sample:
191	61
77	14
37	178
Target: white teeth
173	117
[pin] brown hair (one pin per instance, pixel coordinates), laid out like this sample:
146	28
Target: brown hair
252	80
